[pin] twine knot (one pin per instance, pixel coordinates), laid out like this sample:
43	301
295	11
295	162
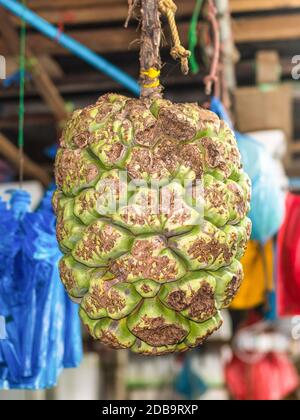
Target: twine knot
179	52
169	9
167	6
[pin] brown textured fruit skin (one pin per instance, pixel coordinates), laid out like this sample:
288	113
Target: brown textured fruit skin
151	282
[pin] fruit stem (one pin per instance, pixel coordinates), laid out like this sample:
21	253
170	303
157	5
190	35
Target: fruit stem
150	60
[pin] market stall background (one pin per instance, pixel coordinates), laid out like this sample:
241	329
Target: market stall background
260	338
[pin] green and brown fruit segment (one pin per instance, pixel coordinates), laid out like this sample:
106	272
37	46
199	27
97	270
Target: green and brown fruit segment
151	274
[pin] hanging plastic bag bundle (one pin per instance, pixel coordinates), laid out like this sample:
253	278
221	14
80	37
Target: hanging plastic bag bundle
9	246
289	259
267	203
188	383
271	377
44	328
258	264
39	328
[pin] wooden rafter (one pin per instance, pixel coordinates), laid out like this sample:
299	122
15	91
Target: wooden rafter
54	70
106	40
240	6
61	4
266	28
11	153
235	5
92	11
43	82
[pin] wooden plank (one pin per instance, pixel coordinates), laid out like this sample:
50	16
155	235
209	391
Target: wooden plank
81	15
295	147
78	11
240	6
63	4
39	73
94	82
82	82
268	69
60	4
99	40
92	12
31	169
11	122
106	40
53	68
257	110
245	70
266	28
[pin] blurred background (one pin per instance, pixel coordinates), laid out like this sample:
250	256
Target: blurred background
256	354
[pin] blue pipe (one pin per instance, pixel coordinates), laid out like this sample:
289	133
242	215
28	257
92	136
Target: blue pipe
71	44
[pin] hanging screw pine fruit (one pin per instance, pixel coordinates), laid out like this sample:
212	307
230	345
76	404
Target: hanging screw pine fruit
152	271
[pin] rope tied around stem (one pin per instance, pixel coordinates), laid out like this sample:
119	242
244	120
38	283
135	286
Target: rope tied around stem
178	51
152	74
150	60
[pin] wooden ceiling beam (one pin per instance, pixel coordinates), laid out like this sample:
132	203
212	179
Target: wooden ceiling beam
99	40
11	153
53	68
61	4
32	120
82	15
241	6
266	28
39	72
93	82
109	40
236	6
97	12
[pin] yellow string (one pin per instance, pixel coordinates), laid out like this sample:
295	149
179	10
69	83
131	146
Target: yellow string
152	85
169	8
152	73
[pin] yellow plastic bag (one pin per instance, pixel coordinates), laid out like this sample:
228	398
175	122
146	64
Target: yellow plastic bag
258	269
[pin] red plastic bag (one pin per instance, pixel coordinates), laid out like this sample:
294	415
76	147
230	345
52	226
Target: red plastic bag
289	259
271	377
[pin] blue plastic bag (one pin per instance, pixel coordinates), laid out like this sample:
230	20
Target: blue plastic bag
40	325
188	383
10	351
268	200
